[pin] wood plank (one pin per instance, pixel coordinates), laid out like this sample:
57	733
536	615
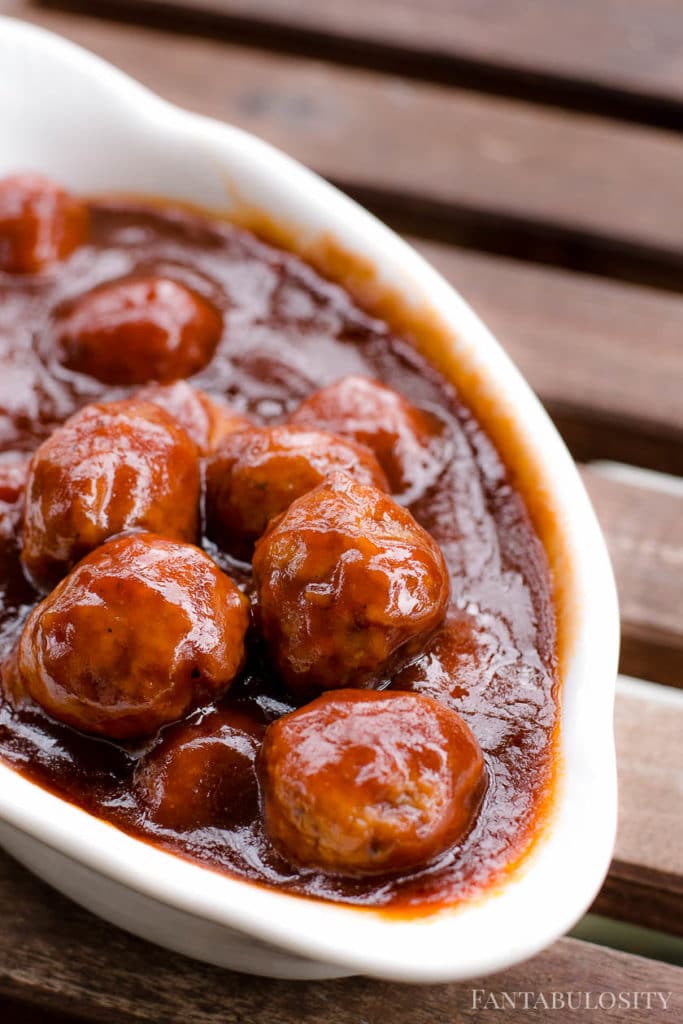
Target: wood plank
56	956
645	881
644	531
503	175
604	56
605	358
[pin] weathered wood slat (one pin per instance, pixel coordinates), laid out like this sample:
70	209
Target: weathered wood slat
625	60
54	955
507	176
645	881
644	531
606	358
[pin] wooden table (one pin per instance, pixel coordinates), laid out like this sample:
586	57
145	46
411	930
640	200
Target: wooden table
533	151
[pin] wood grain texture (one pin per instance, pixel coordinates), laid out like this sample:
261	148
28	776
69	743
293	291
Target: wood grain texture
645	882
467	166
54	955
621	59
605	358
636	46
644	531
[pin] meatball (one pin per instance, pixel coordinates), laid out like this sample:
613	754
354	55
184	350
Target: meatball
11	688
348	586
203	774
111	467
137	330
140	632
40	224
206	420
256	474
13	473
359	783
408	442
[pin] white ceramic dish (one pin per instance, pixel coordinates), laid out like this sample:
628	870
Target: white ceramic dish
71	116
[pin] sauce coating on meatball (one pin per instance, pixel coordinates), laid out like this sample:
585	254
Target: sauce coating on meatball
203	774
360	783
111	467
256	474
348	584
140	632
13	474
40	224
408	442
137	330
206	420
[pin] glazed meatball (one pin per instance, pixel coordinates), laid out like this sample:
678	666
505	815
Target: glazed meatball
40	224
203	774
111	467
206	420
140	632
359	783
137	330
256	474
408	442
11	687
348	586
13	473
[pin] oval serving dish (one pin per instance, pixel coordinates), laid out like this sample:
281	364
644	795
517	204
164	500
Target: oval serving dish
69	115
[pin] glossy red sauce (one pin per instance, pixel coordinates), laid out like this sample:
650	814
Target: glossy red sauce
288	332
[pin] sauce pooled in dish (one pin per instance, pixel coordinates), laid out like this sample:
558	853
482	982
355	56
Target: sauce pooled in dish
268	596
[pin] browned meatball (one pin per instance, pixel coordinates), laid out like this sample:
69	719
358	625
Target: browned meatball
111	467
11	687
256	474
142	630
13	473
359	783
206	420
203	774
40	223
137	330
348	586
408	442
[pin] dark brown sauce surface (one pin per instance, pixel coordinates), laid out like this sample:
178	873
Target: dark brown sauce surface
288	332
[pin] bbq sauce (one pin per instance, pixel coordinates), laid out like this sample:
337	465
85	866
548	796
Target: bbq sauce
287	332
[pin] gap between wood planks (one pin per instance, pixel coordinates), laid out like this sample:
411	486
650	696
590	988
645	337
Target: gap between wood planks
629	938
503	176
583	56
